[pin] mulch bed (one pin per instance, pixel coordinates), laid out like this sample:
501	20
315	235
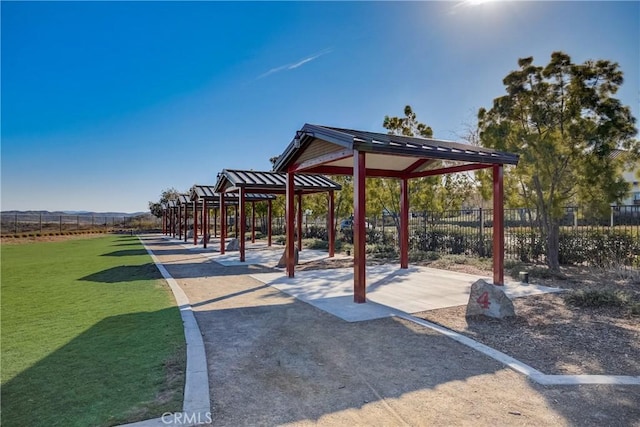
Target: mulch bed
547	333
555	338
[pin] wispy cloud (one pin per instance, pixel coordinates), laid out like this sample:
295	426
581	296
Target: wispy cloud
294	65
466	4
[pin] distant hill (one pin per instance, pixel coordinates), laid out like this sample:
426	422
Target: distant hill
77	213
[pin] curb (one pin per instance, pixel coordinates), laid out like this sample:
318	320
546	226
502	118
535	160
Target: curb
196	406
523	368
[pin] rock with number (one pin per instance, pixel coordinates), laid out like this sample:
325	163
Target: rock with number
283	259
233	245
486	299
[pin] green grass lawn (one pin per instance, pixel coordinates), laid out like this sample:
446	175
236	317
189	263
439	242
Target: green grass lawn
90	334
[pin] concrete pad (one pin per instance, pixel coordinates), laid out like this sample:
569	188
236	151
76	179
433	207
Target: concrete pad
262	255
409	290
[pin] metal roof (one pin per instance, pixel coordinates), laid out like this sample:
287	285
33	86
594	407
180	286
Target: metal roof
337	144
272	182
208	192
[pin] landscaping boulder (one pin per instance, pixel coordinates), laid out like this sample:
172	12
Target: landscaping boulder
233	245
283	259
207	237
486	299
190	234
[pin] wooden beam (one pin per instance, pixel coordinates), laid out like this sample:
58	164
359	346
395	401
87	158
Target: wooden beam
179	222
186	221
205	223
359	230
235	226
451	169
253	222
195	222
299	222
215	222
289	223
340	170
404	223
269	214
498	225
415	165
223	223
323	159
331	229
243	223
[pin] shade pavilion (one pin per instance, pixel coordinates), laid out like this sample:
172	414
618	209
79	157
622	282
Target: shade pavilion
240	182
335	151
204	197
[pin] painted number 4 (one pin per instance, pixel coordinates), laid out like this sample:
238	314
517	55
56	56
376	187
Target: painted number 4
483	300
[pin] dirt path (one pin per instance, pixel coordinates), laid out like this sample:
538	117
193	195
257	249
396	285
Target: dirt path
274	360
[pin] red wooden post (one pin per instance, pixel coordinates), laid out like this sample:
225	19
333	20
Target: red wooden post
290	215
186	221
215	222
359	231
179	222
498	225
236	216
299	221
404	223
223	223
243	222
253	222
205	222
195	222
331	230
269	213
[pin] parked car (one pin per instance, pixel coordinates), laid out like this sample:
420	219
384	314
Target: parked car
347	224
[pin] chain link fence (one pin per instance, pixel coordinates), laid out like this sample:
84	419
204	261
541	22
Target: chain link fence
19	224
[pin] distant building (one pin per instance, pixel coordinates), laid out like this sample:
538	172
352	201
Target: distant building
632	176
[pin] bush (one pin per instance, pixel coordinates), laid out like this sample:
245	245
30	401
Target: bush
598	248
416	255
317	244
597	298
382	250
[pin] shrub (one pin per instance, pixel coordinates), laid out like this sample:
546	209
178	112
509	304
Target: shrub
317	244
599	248
597	298
418	255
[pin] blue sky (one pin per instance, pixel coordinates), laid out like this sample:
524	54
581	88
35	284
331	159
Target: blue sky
106	104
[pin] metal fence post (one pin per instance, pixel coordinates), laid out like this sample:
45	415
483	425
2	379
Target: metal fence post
60	223
481	237
611	223
15	224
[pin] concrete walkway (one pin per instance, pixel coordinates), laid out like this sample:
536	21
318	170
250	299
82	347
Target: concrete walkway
275	360
392	290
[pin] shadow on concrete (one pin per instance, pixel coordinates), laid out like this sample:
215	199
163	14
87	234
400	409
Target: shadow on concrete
292	363
276	360
83	382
